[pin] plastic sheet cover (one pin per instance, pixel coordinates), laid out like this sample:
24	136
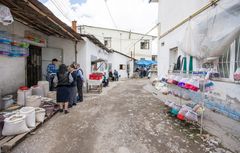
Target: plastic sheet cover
5	15
211	32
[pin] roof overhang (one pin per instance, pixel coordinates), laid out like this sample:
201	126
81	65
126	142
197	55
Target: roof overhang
34	14
152	1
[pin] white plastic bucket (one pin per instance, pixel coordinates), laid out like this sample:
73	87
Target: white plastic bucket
40	114
29	112
38	90
33	101
14	125
45	85
22	95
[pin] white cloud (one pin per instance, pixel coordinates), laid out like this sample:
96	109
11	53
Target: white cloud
135	15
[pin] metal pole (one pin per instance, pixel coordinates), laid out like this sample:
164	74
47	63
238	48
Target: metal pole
203	97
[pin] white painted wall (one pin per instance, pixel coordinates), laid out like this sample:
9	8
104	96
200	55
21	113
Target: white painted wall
67	46
87	49
116	59
121	41
170	14
13	68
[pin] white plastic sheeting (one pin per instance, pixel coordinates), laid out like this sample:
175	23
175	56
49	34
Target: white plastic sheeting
5	15
212	32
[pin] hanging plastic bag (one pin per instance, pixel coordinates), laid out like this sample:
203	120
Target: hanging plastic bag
192	84
175	109
14	125
207	36
5	15
182	112
176	79
182	82
164	90
236	75
191	116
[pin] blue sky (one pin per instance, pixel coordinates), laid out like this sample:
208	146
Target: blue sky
134	15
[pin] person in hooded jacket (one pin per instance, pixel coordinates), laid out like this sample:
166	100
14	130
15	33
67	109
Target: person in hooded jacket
62	81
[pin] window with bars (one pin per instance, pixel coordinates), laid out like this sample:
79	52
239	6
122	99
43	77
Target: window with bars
237	54
145	44
224	64
107	42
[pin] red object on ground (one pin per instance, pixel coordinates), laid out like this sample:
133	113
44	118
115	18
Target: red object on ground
95	76
23	88
180	117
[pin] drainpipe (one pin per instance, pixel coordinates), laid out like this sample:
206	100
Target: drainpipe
76	52
74	27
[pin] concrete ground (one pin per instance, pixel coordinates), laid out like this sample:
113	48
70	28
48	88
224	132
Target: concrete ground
124	119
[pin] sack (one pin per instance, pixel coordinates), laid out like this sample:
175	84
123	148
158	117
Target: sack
52	95
14	125
40	114
33	101
191	116
29	112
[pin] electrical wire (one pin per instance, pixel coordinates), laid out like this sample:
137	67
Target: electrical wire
132	44
59	9
109	12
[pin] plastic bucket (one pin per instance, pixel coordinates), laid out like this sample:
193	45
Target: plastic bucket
38	90
45	86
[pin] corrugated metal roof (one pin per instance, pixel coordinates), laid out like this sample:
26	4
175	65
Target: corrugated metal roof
35	15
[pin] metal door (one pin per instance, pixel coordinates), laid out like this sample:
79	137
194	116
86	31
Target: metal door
34	65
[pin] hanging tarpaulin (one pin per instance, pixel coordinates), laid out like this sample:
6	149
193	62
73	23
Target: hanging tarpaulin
5	15
144	62
190	68
212	32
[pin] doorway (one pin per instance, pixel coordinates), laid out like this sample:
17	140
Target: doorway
34	65
173	55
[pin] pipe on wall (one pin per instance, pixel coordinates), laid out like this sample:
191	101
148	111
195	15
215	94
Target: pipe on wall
76	52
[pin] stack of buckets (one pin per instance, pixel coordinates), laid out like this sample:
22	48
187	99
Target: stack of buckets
23	92
45	86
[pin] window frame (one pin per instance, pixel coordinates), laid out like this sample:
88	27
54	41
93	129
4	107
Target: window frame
108	40
147	47
122	67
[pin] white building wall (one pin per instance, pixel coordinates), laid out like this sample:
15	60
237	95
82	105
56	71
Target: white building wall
180	10
116	59
122	41
13	68
225	97
67	46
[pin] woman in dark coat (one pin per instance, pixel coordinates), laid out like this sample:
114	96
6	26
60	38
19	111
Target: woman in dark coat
63	80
